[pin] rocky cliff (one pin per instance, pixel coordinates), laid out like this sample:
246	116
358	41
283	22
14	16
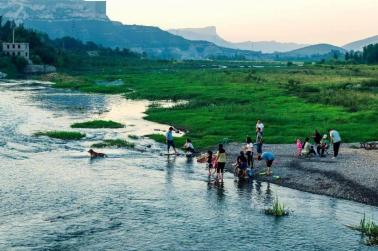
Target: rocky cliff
47	10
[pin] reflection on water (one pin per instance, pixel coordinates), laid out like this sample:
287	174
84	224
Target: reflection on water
53	197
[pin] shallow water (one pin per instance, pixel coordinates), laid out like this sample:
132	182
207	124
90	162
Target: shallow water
54	197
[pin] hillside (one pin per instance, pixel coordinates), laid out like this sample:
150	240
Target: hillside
360	44
65	52
318	49
210	34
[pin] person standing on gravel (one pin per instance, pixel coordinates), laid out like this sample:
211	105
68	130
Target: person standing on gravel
259	142
260	125
336	141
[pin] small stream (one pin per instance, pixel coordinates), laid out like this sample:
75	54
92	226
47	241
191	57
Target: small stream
52	197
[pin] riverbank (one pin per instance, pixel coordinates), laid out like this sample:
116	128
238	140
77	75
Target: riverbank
223	104
353	176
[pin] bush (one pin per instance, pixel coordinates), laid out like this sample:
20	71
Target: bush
118	143
369	229
98	124
61	135
277	209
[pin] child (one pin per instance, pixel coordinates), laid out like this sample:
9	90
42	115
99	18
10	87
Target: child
221	162
249	151
189	148
242	165
210	160
299	147
169	140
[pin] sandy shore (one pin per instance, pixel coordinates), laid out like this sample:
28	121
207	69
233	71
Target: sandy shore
352	176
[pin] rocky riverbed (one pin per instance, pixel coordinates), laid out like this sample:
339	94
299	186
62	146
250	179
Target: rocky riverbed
352	176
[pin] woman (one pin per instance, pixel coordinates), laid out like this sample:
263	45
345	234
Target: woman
249	151
307	149
221	162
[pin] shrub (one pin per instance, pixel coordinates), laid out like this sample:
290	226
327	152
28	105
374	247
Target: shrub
61	135
277	209
98	124
117	143
369	229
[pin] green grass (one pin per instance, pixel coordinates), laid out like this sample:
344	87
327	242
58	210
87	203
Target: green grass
61	135
277	209
226	103
116	143
98	124
369	229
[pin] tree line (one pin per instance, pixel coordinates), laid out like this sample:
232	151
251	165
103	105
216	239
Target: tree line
369	55
65	52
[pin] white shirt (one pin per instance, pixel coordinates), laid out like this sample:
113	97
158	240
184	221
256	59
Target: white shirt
261	126
249	147
189	145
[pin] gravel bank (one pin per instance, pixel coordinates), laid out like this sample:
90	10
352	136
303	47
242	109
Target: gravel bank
353	176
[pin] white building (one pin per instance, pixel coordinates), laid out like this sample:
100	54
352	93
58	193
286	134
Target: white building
16	49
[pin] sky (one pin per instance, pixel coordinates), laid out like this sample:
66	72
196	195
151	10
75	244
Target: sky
302	21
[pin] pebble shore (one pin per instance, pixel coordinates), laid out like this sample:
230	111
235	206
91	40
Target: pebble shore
352	176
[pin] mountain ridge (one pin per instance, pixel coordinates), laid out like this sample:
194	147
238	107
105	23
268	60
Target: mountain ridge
360	44
210	34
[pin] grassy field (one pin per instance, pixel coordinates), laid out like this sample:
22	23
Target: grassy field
225	103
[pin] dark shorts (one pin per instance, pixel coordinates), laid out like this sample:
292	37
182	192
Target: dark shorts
244	166
269	163
209	165
170	143
220	167
259	148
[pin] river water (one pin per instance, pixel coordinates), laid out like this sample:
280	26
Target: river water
52	197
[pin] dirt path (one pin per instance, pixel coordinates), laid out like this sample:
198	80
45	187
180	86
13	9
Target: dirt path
353	176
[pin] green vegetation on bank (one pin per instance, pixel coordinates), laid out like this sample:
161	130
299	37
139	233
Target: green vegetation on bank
225	99
61	135
116	143
369	229
98	124
277	209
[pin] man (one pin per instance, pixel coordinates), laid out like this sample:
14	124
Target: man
259	141
169	139
260	125
336	141
269	158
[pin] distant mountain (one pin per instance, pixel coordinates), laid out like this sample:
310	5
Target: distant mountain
21	10
360	44
314	50
210	34
87	21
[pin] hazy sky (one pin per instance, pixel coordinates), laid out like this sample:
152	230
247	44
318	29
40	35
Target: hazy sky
306	21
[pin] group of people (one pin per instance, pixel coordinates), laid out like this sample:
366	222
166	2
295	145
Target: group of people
321	144
216	162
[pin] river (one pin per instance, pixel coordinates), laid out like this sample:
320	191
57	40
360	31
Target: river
52	197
